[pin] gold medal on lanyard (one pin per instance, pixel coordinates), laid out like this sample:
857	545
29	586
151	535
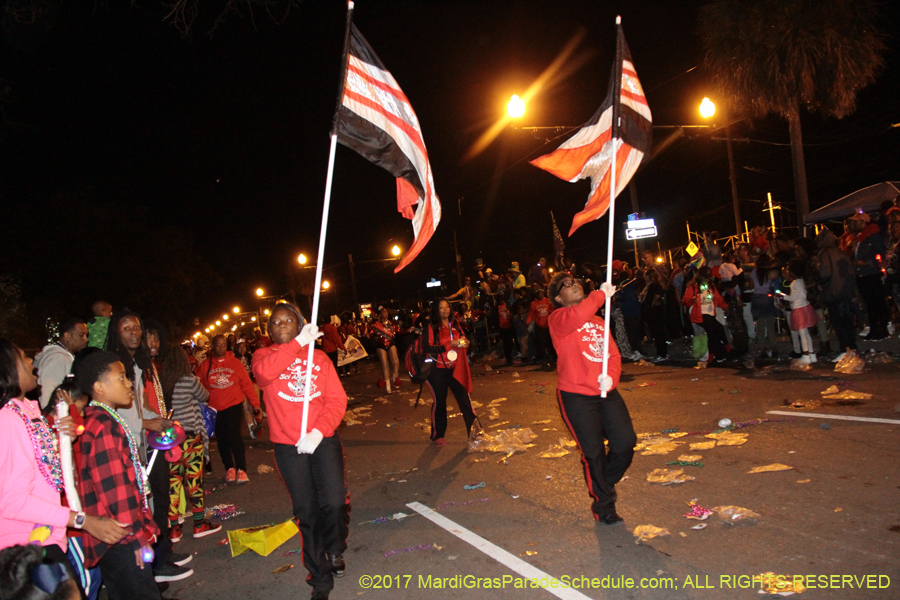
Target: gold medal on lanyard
451	354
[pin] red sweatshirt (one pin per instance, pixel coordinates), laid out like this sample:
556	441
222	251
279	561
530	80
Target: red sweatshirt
331	341
227	381
505	316
280	371
577	334
539	312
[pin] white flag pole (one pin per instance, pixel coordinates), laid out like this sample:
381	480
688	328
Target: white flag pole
612	204
314	317
66	461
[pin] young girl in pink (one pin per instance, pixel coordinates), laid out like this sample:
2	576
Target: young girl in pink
803	315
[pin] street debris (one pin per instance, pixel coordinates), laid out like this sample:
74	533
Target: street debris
848	395
474	486
647	532
700	526
690	457
770	468
804	480
780	585
223	512
851	364
667	477
723	423
698	513
685	463
734	515
660	448
798	365
263	469
413	549
507	441
282	569
394	517
878	358
727	438
703	445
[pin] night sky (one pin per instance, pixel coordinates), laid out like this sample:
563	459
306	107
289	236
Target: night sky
227	136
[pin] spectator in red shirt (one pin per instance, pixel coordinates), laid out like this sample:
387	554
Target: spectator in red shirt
331	339
578	334
539	314
229	384
507	331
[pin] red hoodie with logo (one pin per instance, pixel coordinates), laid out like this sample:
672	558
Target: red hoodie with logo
280	371
577	334
227	381
539	312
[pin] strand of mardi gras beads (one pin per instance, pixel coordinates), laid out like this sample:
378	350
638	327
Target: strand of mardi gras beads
135	454
45	445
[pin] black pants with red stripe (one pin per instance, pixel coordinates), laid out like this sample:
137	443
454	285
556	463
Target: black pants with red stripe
439	382
591	420
320	504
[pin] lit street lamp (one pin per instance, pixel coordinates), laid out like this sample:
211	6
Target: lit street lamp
325	285
395	250
259	292
301	259
236	309
218	323
516	107
707	108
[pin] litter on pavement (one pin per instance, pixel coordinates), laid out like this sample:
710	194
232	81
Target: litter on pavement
647	532
770	468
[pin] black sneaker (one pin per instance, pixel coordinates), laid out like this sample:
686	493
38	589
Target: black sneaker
179	560
337	564
612	518
319	595
171	573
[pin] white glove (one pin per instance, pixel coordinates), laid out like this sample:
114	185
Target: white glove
608	289
308	334
606	383
309	443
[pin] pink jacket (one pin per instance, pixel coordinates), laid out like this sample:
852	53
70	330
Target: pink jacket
26	499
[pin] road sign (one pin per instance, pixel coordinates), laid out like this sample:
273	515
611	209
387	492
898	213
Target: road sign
640	228
692	249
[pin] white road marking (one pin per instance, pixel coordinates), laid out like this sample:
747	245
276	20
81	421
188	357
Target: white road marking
496	552
837	417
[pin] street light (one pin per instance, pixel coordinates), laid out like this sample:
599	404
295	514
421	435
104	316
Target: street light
301	259
516	107
395	250
236	309
253	319
259	292
218	323
225	317
266	312
325	285
707	108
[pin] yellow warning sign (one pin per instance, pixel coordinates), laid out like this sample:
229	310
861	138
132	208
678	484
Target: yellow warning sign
692	249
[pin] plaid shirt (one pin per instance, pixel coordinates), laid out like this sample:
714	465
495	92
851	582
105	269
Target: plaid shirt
108	484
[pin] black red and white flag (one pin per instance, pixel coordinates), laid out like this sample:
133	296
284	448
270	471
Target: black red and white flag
588	154
376	120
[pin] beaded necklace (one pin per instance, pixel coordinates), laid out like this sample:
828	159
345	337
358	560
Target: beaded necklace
45	444
135	456
157	388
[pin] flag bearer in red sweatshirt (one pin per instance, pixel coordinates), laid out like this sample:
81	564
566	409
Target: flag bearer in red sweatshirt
312	468
229	383
578	338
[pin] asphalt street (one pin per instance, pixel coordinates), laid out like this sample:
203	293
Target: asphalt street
834	515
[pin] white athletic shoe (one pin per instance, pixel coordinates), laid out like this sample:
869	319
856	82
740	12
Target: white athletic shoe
864	332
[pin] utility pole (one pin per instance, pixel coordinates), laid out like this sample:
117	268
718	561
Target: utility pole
353	283
459	276
733	177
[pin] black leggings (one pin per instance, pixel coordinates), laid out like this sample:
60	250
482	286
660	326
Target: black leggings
228	432
439	382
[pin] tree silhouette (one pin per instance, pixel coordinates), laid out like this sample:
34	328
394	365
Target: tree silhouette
776	56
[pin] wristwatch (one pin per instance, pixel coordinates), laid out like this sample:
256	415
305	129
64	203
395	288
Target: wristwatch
79	520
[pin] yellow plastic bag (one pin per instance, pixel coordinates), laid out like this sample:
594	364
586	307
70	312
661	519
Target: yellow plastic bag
263	540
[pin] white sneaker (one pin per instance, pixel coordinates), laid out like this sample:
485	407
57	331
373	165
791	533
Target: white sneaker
890	329
804	360
864	332
813	359
636	356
